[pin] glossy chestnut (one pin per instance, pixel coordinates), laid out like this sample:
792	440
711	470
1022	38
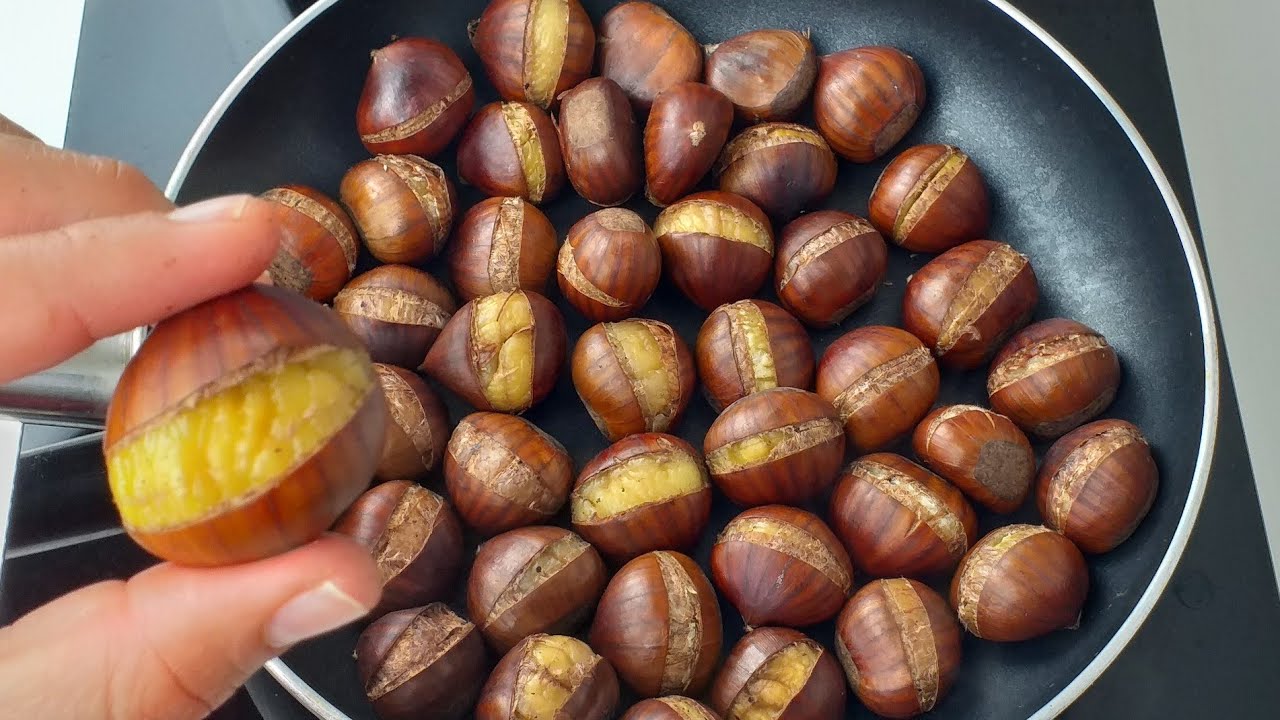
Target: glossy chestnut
866	100
512	149
646	51
600	142
750	346
781	167
687	128
534	50
829	264
768	74
931	198
979	451
671	707
398	312
416	98
779	673
609	265
717	247
318	242
419	426
502	245
549	676
403	206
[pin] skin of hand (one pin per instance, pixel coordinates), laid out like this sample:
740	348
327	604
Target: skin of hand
90	248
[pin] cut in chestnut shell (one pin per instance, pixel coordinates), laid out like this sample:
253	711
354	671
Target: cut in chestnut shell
398	312
501	245
979	451
829	264
781	167
416	98
609	265
779	673
402	205
512	149
318	242
750	346
717	247
930	199
866	100
549	676
534	50
419	427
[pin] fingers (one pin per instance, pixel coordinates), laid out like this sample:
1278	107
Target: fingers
94	279
9	127
45	187
176	642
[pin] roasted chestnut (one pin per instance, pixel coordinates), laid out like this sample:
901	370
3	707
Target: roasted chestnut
930	198
899	643
716	246
414	538
686	131
671	707
206	456
896	518
633	376
425	663
600	142
503	472
512	149
646	51
776	446
779	673
609	265
1020	582
645	492
500	352
964	303
1053	376
397	311
532	580
866	99
829	263
781	167
549	676
1097	484
768	74
979	451
501	245
749	346
402	205
533	50
881	380
780	565
318	246
419	427
416	98
658	625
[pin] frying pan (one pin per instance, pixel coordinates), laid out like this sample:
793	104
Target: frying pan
1073	186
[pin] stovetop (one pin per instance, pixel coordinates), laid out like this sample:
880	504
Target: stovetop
149	69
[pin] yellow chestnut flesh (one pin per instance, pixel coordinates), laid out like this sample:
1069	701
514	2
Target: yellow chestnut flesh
772	687
636	482
502	331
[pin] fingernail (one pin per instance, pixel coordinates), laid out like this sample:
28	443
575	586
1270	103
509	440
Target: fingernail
315	612
230	207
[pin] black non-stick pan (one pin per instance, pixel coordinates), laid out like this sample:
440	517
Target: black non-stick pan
1073	186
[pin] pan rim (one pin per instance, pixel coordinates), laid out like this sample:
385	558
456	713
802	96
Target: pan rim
323	709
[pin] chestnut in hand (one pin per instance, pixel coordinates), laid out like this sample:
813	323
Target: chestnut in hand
881	380
1053	376
899	643
633	376
533	580
500	352
609	265
779	673
896	518
402	205
686	131
1020	582
318	246
419	427
646	51
414	538
768	74
930	198
750	346
979	451
866	100
533	50
600	142
716	246
207	460
398	312
416	98
549	676
512	149
965	302
645	492
781	167
658	625
780	565
503	472
829	264
776	446
671	707
1097	484
424	663
502	245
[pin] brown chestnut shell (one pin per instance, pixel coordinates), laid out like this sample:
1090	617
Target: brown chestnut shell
416	98
419	427
609	265
515	690
866	100
600	142
744	684
829	264
781	167
671	707
768	74
930	198
502	244
402	205
979	451
398	312
318	242
646	51
512	149
687	128
749	346
717	247
534	50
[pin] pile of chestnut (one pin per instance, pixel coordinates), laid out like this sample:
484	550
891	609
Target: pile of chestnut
667	117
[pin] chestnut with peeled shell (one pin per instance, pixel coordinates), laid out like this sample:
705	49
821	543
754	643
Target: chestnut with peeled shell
512	149
979	451
687	128
534	50
600	142
549	676
398	312
768	74
416	98
609	265
866	100
749	346
829	264
501	245
402	205
318	242
230	446
646	51
500	352
781	167
419	427
779	673
930	198
717	247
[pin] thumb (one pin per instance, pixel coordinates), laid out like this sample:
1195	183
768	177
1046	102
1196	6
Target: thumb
176	642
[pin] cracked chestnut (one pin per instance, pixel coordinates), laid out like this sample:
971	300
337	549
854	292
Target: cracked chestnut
781	167
600	142
501	245
687	128
534	50
829	264
609	265
419	427
717	247
512	149
416	98
398	312
768	74
318	242
866	100
646	51
979	451
550	676
658	625
502	473
779	673
402	205
750	346
930	198
1097	484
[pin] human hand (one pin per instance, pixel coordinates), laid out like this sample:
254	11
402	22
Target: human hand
90	248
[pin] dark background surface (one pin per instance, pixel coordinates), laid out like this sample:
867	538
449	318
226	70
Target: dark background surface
1209	647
